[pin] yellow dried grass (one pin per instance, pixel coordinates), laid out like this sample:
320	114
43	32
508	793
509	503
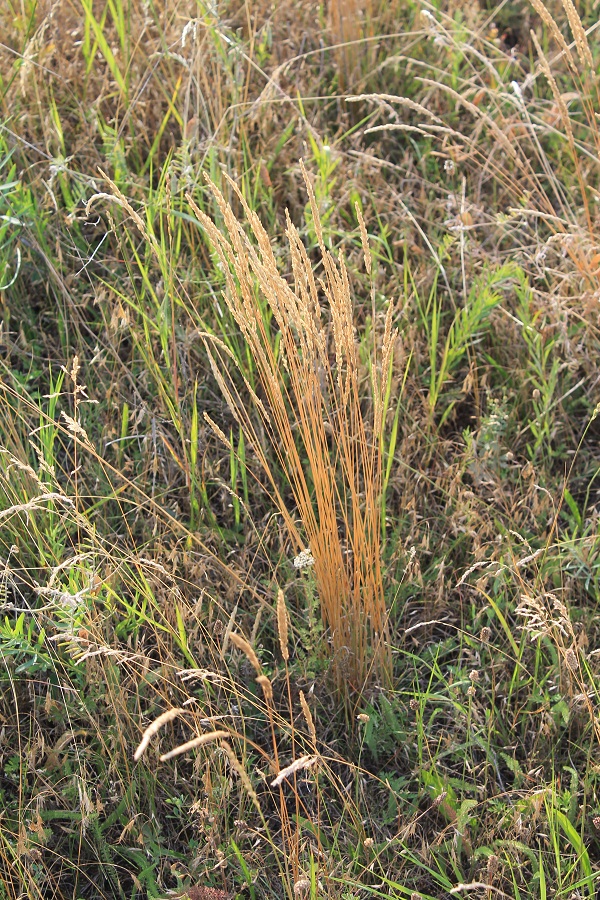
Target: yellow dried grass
282	625
348	22
322	422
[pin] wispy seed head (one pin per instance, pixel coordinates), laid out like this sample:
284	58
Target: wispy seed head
243	645
282	625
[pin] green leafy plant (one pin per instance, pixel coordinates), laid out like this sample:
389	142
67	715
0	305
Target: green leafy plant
16	215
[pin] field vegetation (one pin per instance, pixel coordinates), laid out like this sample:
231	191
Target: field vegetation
299	449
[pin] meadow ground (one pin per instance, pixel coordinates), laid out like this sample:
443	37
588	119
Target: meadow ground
299	551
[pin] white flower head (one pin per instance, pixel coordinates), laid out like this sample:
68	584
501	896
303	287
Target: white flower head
304	560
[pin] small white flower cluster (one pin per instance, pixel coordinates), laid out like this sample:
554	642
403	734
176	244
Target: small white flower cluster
304	560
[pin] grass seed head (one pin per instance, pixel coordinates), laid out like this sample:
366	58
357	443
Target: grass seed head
267	688
241	772
195	742
304	762
308	718
243	645
282	625
154	728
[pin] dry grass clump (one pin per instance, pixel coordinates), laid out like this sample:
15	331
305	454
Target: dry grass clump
525	123
348	23
316	412
545	139
293	822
